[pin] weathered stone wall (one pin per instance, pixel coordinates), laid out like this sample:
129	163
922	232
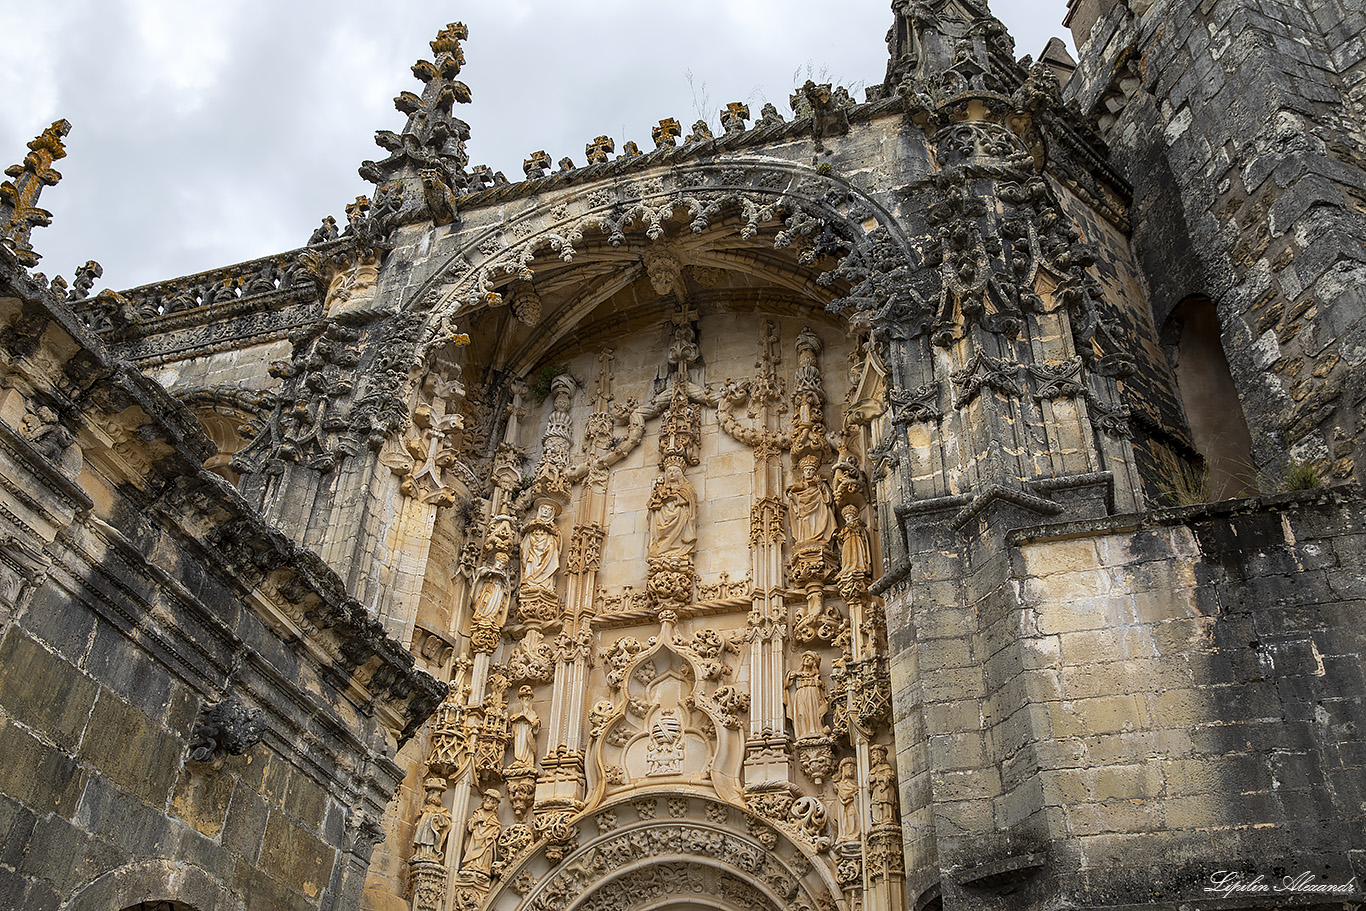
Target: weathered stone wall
1141	702
137	592
1241	130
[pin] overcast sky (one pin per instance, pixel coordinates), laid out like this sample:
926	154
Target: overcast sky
205	134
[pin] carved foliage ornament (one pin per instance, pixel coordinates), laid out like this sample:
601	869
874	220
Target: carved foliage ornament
226	728
815	215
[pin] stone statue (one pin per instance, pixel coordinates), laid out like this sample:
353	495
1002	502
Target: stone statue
846	789
673	516
433	824
809	701
854	555
484	829
491	592
881	787
812	502
541	551
525	725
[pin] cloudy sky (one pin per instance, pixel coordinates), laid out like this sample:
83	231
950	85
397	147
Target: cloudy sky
205	134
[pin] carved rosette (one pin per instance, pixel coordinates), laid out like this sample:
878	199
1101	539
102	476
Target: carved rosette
515	839
671	581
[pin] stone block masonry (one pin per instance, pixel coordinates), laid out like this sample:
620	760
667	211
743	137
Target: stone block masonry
1242	133
191	710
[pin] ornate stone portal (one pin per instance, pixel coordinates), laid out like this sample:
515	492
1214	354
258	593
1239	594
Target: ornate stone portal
713	713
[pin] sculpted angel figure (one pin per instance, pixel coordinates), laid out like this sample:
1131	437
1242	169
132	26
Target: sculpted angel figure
808	701
812	503
673	515
541	551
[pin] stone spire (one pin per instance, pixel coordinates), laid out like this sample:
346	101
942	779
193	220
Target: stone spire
19	212
433	140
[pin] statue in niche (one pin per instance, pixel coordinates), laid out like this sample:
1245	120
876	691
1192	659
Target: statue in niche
526	724
673	516
541	551
812	505
490	592
809	700
855	559
433	824
881	787
484	829
846	789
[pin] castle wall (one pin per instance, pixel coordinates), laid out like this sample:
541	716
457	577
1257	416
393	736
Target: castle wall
1199	669
1105	710
1240	131
190	709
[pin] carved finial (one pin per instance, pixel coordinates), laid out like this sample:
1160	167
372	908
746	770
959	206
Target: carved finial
19	212
769	116
928	40
536	165
630	150
566	163
667	133
356	212
598	150
85	280
432	139
700	132
734	116
324	232
446	44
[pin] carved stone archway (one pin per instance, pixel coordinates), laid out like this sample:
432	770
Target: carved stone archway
668	850
809	213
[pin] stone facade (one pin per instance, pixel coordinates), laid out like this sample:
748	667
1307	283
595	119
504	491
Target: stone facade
191	707
832	513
